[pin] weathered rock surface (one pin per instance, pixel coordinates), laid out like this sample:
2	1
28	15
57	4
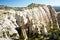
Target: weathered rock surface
34	18
30	20
58	17
7	27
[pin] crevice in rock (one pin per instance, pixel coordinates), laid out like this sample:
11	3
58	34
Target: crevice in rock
18	30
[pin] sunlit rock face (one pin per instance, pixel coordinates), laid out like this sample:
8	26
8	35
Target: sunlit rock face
53	16
7	27
35	18
32	19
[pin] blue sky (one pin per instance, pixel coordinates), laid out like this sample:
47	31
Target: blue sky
23	3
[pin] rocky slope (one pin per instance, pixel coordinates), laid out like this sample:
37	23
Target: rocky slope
33	19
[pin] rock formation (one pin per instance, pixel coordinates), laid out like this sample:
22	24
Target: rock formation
7	27
30	20
58	17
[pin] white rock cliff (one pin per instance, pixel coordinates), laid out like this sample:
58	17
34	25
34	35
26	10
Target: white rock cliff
29	20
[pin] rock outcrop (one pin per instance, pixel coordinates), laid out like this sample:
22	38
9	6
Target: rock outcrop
58	17
7	27
30	20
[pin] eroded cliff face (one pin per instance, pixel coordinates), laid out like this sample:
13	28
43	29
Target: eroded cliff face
7	26
58	17
29	20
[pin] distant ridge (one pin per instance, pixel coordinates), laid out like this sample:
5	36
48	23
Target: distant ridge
5	7
20	8
57	8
